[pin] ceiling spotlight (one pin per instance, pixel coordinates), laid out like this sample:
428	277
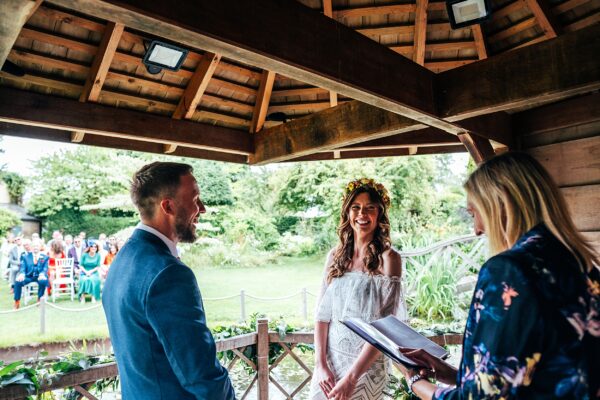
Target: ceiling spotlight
467	12
161	56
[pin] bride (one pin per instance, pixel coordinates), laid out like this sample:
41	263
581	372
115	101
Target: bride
361	279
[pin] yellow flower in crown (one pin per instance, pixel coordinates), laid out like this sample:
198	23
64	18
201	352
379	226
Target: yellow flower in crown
365	182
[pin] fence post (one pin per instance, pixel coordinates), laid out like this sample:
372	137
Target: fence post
43	315
305	304
263	358
243	304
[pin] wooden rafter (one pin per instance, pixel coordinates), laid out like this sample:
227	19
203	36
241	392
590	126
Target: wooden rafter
352	154
197	86
479	39
469	91
428	137
102	60
13	14
545	18
328	11
420	36
480	149
57	135
262	101
482	88
61	113
309	47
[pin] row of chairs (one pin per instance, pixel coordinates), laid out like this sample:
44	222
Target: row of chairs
63	282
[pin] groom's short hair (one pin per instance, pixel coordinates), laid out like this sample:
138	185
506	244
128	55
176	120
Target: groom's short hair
155	181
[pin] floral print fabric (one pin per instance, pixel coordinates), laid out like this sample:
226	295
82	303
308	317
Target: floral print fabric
533	330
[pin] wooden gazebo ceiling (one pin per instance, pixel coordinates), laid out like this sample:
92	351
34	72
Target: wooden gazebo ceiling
85	81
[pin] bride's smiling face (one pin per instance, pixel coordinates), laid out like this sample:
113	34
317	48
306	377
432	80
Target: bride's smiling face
363	214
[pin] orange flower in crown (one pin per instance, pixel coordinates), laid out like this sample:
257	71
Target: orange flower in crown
351	187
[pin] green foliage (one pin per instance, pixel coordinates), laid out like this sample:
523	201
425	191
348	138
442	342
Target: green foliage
15	185
75	221
8	220
215	189
67	180
398	389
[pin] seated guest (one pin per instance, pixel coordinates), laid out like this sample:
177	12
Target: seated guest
34	268
14	259
89	279
76	252
533	327
56	252
108	260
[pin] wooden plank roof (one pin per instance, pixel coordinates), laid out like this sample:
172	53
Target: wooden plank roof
273	81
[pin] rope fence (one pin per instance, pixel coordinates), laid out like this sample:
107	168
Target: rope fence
470	258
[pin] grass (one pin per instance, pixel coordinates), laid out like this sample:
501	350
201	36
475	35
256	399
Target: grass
287	276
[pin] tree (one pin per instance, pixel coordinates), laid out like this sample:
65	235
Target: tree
15	184
8	220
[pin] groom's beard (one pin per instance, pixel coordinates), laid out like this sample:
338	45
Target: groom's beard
184	230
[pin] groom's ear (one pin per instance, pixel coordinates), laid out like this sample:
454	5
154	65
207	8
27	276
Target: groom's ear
167	206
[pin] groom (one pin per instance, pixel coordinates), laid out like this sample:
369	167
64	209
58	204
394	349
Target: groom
153	306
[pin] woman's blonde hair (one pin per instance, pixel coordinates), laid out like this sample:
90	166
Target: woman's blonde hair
513	193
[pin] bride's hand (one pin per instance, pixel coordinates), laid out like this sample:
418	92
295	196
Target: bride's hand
344	389
325	378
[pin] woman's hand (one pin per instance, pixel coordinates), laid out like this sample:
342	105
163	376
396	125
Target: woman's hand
325	378
344	388
440	370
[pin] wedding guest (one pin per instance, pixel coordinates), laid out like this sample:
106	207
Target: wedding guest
68	243
34	268
56	252
56	236
533	329
85	242
361	279
14	264
76	252
89	277
108	261
7	244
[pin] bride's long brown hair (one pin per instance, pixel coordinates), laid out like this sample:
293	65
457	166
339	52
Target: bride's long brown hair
342	256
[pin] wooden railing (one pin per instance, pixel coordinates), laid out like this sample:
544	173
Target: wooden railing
262	338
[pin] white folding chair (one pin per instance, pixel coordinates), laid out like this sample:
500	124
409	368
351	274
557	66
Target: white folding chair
30	291
63	276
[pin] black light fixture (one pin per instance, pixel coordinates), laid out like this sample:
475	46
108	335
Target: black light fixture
467	12
160	55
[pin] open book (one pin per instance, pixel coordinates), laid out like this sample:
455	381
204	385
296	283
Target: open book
389	334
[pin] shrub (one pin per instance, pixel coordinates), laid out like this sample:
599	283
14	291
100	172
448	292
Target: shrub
74	221
8	220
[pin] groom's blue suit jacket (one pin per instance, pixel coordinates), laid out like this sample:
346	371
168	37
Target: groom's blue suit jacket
158	328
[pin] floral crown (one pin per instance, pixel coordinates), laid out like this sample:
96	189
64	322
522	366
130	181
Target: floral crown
368	183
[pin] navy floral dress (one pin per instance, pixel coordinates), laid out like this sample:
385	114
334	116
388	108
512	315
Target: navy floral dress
533	330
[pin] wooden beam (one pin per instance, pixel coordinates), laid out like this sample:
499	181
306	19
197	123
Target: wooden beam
13	14
102	60
479	39
376	10
262	101
520	26
57	135
568	5
480	149
508	9
301	91
428	137
77	136
345	125
565	114
328	11
60	113
288	38
420	36
353	154
542	73
197	85
545	18
170	148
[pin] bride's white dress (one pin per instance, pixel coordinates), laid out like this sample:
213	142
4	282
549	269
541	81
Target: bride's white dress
370	297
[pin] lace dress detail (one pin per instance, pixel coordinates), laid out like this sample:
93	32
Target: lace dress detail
369	297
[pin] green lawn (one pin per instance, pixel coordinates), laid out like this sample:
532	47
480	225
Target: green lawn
288	276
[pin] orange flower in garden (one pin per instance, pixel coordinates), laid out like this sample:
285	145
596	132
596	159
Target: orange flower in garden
507	295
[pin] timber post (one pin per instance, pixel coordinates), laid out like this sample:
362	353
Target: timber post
263	358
